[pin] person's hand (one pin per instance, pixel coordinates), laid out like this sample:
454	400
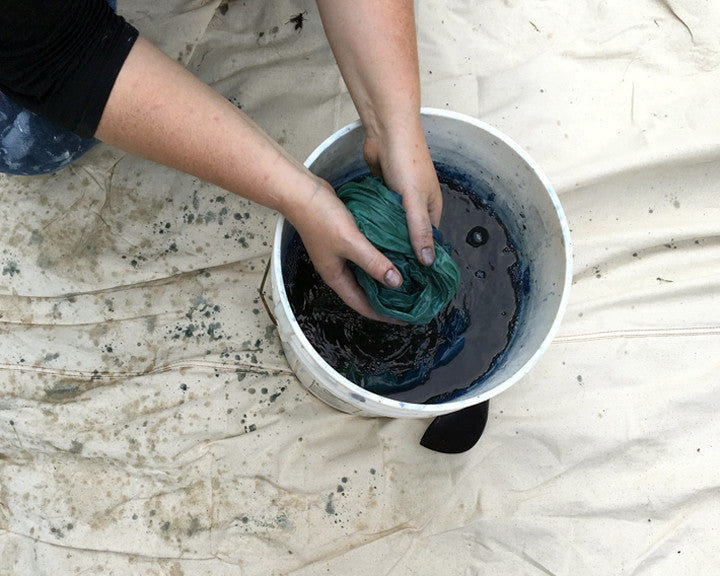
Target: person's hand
331	239
375	45
403	161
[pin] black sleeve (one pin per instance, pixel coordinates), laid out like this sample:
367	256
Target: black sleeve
60	58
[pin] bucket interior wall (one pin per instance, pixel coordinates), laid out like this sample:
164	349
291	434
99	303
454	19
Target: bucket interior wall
518	195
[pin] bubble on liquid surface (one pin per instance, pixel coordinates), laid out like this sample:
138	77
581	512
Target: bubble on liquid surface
477	236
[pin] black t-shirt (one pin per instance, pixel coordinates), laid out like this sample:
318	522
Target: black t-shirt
60	58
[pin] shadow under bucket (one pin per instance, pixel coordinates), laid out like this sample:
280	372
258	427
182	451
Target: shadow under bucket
484	161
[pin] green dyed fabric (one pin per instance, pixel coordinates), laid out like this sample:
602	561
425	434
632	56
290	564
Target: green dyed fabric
426	290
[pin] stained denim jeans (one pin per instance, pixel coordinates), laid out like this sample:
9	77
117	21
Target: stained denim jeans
31	145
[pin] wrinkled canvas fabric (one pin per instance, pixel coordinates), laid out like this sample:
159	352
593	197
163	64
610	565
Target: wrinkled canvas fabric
426	290
150	424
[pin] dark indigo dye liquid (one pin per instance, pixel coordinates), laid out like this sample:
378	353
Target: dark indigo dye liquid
420	364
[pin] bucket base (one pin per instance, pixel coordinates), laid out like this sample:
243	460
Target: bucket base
457	432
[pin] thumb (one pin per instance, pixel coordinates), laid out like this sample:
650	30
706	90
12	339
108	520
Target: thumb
421	235
374	262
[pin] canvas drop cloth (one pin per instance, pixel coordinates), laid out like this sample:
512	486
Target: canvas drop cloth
150	425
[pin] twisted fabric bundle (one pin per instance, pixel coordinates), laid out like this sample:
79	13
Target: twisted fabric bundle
426	290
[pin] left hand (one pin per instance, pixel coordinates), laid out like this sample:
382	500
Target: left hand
331	238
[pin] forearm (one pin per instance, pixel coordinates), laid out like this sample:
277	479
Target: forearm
159	111
375	45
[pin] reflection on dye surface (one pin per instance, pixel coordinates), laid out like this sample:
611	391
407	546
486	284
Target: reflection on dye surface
422	364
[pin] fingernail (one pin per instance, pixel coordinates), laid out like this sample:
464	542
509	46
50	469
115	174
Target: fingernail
427	256
393	279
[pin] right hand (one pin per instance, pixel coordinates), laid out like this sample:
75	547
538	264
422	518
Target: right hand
403	161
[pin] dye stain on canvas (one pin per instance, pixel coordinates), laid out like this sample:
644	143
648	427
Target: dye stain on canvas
421	364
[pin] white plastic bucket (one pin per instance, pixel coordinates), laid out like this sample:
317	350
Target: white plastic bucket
490	164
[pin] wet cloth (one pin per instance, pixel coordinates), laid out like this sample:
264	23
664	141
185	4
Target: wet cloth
426	290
